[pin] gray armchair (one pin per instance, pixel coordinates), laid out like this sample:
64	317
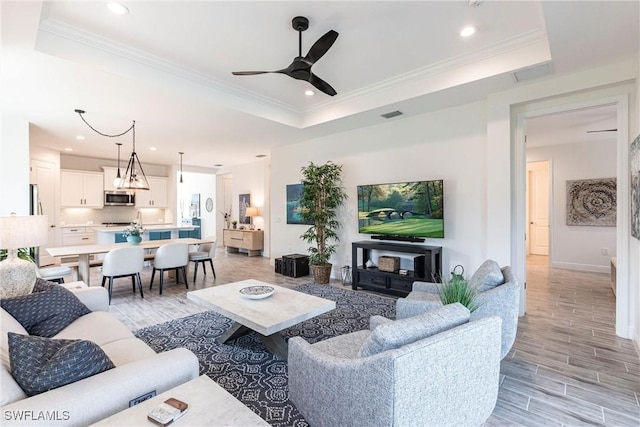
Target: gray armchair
498	294
435	369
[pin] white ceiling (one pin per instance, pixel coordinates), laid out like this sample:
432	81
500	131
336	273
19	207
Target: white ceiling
168	66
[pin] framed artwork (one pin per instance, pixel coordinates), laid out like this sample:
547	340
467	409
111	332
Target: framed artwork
592	202
294	210
244	201
634	168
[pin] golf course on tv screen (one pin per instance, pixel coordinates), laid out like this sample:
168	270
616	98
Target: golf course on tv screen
411	209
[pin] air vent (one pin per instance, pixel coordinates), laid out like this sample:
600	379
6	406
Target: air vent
532	72
391	114
261	155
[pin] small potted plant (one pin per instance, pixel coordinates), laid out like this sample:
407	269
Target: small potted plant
133	233
234	223
457	289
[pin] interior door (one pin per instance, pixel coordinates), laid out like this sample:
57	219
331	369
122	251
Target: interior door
43	175
538	186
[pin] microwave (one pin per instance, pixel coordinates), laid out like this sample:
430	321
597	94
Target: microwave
119	198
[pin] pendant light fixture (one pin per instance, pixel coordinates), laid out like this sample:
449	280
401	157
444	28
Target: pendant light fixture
181	153
134	177
118	180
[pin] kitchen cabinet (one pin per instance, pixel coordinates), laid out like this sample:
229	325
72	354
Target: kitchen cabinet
156	196
79	189
77	236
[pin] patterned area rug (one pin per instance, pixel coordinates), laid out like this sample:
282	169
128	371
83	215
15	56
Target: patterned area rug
244	367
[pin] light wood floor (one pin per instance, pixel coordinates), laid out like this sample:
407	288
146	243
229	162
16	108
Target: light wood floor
567	366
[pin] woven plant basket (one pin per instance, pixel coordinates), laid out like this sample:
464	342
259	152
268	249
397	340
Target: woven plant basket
321	273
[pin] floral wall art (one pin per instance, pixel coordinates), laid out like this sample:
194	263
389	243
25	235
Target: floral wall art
592	202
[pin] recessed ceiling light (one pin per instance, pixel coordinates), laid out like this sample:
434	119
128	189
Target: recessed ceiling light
118	8
80	137
153	149
309	92
68	149
468	31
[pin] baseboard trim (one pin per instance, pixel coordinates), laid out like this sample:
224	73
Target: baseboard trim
581	267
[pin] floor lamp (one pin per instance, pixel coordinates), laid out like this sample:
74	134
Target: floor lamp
18	276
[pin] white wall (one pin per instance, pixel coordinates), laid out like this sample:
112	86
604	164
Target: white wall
205	185
14	165
438	145
252	178
577	247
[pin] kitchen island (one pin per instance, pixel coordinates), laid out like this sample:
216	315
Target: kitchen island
105	235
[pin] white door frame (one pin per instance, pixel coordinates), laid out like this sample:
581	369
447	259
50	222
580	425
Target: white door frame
624	325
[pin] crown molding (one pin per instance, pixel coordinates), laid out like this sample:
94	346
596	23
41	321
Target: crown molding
69	32
425	73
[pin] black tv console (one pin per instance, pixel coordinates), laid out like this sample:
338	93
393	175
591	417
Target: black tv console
428	264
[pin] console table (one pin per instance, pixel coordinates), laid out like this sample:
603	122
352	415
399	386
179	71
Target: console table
427	266
251	240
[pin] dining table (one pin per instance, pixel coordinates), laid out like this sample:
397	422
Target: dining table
84	252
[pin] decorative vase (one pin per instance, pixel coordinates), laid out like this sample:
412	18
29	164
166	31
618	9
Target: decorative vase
134	240
235	226
321	273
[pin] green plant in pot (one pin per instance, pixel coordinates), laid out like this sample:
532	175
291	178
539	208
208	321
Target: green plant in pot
322	194
457	289
133	233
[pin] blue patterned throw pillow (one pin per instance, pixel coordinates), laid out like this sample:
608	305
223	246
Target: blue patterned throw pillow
40	364
47	312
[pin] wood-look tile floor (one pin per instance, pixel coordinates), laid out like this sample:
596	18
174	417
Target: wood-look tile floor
566	368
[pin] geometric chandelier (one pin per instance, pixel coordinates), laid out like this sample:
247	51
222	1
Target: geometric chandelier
134	177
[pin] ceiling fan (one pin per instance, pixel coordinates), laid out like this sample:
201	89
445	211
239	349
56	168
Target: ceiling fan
602	130
300	68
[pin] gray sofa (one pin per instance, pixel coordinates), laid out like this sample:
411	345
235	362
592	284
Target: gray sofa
383	377
138	370
502	299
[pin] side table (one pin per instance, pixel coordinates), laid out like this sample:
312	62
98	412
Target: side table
209	405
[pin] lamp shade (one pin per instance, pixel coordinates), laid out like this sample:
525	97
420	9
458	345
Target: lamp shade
251	211
23	231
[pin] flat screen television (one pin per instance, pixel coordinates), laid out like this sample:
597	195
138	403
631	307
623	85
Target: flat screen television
407	209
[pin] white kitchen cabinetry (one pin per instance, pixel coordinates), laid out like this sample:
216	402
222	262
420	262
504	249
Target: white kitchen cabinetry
156	196
77	236
80	189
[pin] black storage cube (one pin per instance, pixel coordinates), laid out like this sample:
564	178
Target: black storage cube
279	265
295	265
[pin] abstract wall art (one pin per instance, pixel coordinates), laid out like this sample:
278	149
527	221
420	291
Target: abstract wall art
294	210
244	201
592	202
634	167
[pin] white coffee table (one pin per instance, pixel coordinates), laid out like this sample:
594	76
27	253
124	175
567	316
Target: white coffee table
267	316
209	405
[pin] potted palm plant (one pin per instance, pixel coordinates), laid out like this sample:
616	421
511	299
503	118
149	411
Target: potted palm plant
321	196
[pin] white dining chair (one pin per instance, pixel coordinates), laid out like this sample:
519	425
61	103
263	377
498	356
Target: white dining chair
168	257
53	274
123	262
206	252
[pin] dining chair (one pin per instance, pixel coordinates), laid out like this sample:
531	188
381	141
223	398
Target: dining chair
53	274
168	257
123	262
206	252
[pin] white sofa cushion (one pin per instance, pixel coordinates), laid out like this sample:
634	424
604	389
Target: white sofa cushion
98	326
127	350
11	391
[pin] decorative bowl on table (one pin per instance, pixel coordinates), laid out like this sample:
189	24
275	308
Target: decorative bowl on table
257	292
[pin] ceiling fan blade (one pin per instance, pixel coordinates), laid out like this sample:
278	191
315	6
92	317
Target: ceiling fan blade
250	73
321	46
602	130
322	85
